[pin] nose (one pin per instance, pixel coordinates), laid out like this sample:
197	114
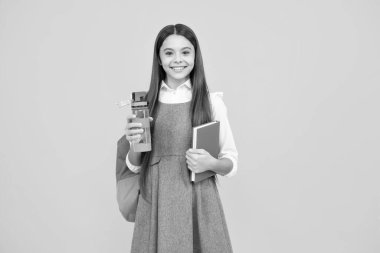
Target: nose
177	58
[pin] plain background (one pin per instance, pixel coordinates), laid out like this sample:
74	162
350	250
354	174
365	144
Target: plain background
301	83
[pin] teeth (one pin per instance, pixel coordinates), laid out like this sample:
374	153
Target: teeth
178	68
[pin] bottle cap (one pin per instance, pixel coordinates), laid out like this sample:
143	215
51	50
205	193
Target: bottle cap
139	96
139	99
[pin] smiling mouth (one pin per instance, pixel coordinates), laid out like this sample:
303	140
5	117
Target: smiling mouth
178	69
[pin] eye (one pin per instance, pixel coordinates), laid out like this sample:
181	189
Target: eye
186	52
168	53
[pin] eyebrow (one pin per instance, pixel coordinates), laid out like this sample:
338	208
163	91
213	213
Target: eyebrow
168	48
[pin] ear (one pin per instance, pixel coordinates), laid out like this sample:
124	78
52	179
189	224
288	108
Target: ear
159	60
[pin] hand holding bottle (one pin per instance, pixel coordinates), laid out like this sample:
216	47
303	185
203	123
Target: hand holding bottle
134	130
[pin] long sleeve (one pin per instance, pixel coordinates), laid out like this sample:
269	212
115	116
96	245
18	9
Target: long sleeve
170	96
133	168
226	140
182	94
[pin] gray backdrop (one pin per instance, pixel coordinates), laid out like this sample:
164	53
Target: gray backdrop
301	83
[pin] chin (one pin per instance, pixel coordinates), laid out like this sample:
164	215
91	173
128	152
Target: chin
180	76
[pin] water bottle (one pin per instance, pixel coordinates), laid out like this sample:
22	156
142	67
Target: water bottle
139	107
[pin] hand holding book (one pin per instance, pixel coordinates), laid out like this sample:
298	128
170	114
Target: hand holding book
204	152
199	160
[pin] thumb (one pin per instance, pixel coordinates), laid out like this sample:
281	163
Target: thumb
199	151
203	151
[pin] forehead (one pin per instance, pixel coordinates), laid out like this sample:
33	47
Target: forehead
175	41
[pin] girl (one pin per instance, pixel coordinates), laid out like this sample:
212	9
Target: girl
174	214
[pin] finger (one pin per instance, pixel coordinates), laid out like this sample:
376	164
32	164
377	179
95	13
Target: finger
134	137
193	168
136	140
190	166
191	160
134	124
198	151
150	119
131	137
193	151
132	132
130	117
194	156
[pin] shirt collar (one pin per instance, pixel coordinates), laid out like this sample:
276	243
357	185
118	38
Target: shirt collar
185	84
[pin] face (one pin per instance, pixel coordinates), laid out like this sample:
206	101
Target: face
177	56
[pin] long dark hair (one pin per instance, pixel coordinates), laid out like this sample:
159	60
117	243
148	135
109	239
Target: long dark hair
200	102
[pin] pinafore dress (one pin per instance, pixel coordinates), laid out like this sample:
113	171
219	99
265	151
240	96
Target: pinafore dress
179	216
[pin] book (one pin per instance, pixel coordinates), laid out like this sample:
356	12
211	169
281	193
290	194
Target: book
206	136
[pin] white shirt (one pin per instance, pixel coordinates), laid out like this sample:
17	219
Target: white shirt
182	94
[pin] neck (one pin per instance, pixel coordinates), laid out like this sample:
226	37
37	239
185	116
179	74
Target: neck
174	83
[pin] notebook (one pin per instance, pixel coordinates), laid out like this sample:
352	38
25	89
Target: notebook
206	136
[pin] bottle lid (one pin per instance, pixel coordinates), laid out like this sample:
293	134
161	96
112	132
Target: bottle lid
139	99
139	96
